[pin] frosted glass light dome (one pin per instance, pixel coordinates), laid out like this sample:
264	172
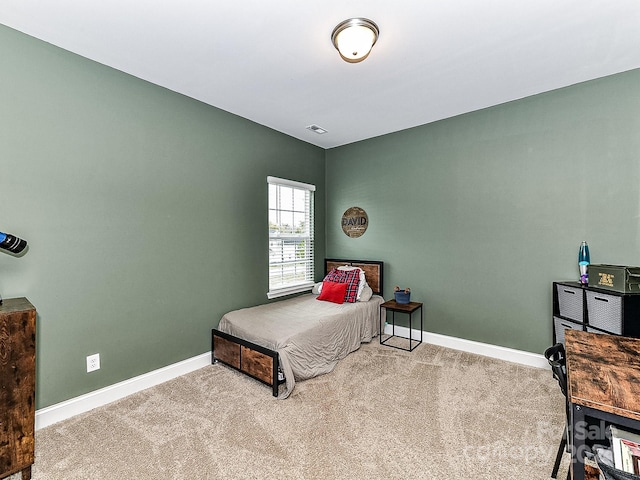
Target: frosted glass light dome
354	38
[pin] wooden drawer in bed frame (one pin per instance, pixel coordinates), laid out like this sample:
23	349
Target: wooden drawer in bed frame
254	360
262	363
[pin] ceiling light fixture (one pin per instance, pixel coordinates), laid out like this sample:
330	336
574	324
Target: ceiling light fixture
354	38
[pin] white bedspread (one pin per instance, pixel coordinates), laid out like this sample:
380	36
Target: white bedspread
309	335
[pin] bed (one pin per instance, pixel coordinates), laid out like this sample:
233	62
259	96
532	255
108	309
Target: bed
298	338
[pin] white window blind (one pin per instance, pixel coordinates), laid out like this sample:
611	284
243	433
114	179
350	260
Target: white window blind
290	236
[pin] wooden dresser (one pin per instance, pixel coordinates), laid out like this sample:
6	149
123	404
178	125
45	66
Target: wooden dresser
17	386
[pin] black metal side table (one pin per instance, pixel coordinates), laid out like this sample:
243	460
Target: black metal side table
409	309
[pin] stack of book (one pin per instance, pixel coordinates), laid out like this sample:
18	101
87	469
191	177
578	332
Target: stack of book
626	450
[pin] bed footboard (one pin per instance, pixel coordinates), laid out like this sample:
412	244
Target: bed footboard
247	357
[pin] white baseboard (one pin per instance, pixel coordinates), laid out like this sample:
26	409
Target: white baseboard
486	349
75	406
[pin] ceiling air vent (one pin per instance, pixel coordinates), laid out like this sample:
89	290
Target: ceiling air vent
317	129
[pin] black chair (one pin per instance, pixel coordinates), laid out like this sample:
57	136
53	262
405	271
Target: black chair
556	357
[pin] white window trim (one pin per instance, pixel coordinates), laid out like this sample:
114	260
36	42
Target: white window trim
281	292
291	183
308	285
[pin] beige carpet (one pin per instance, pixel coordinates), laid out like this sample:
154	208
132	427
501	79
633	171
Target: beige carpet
434	413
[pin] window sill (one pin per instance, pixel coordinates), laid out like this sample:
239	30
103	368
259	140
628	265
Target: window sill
281	292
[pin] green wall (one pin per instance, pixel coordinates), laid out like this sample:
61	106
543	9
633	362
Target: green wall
478	214
145	212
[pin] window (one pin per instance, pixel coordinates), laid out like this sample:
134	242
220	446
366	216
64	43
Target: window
290	236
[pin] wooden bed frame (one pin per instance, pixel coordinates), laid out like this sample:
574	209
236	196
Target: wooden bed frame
262	363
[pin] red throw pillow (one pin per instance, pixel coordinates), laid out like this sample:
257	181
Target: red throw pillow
333	292
350	277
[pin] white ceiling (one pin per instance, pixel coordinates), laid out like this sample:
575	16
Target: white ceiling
274	63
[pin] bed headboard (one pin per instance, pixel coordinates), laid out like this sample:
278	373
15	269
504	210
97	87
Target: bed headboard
373	270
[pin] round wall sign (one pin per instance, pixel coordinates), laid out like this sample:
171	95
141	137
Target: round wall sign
355	222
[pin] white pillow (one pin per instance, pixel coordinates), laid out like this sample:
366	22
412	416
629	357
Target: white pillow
361	283
317	288
367	293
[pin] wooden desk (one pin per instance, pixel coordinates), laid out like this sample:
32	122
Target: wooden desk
603	388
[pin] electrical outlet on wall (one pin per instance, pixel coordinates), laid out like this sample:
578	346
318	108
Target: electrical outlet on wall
93	362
